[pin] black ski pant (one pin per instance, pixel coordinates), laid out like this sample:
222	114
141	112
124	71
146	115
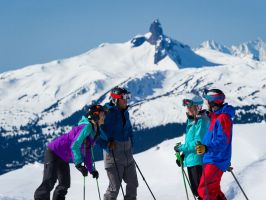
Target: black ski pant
54	169
194	174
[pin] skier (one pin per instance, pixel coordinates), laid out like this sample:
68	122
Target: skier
197	124
71	144
117	144
216	145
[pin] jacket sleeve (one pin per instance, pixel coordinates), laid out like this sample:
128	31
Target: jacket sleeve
131	136
189	146
88	157
221	134
102	143
107	129
76	145
130	132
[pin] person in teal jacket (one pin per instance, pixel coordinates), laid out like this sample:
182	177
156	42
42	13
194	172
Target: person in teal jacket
197	124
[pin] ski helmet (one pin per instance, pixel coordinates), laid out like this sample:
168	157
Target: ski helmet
94	112
192	99
119	93
215	97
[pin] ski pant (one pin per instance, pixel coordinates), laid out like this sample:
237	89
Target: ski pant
209	188
129	175
194	174
54	169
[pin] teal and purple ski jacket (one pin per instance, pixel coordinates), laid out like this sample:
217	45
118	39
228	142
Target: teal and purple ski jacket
71	144
218	138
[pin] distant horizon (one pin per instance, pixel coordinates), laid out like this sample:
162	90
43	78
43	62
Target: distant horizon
36	32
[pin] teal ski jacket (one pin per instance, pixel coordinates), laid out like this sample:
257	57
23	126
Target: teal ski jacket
195	131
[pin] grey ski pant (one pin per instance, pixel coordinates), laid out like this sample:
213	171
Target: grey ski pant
129	175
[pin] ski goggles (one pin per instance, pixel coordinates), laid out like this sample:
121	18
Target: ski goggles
187	102
213	97
126	96
95	110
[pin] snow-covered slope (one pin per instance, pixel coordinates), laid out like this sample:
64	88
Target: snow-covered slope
41	101
162	174
65	86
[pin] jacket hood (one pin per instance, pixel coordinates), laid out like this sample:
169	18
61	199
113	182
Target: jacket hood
227	109
84	120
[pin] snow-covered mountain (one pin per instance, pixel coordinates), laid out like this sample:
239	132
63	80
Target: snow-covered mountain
41	101
255	50
213	45
162	174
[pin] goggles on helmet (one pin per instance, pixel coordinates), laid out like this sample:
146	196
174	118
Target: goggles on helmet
126	96
218	98
187	102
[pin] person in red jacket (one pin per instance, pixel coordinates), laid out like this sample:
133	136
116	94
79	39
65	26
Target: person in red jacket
216	146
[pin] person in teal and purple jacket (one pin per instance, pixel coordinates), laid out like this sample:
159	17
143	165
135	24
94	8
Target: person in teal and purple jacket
75	145
197	125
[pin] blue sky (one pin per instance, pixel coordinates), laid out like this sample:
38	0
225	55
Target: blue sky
39	31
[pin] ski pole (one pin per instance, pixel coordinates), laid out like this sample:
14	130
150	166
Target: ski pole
189	183
84	188
144	179
183	176
118	173
92	155
230	169
84	149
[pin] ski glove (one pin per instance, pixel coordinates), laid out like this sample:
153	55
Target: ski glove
180	159
201	149
95	174
82	169
177	146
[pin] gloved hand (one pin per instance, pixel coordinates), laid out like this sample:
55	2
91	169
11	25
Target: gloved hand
180	159
176	148
95	174
111	144
82	169
201	149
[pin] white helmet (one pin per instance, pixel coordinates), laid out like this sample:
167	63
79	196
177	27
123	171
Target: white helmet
192	99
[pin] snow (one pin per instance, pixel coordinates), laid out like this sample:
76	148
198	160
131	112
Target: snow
71	83
46	93
159	168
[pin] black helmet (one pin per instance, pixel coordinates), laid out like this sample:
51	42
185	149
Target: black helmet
94	112
119	93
